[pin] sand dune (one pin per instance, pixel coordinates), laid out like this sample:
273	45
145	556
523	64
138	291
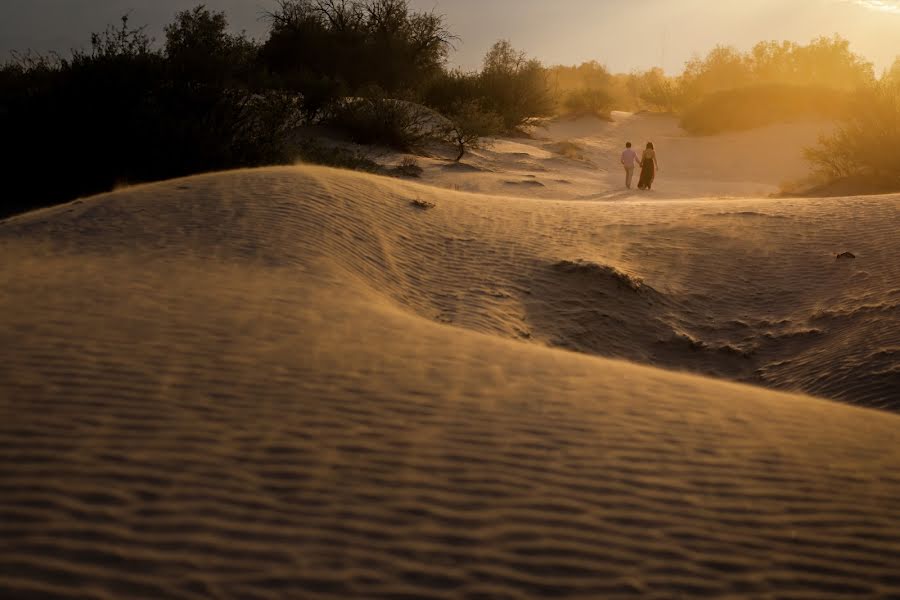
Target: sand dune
752	163
294	383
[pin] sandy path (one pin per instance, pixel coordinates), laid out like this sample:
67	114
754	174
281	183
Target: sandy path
290	383
750	164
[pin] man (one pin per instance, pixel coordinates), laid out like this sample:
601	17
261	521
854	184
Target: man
629	157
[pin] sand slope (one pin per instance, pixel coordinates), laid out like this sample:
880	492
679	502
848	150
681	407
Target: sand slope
579	160
292	383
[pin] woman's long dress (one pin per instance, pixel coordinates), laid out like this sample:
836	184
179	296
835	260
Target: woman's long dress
648	170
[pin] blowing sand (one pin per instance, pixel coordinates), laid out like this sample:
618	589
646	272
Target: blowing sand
294	383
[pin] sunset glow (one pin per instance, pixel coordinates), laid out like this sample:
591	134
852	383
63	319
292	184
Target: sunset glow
890	6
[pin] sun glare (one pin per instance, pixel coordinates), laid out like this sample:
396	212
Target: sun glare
889	6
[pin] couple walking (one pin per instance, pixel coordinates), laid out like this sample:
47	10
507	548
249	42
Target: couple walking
647	162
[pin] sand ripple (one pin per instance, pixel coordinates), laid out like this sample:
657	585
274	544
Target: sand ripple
245	386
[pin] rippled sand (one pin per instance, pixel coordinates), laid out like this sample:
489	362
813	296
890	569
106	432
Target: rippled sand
293	383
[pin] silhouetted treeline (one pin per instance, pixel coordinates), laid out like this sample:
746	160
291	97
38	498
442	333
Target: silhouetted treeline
129	110
126	112
375	71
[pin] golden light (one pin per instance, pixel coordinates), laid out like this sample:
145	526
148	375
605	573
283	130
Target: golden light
889	6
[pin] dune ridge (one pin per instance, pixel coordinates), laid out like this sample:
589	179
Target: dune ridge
748	289
292	382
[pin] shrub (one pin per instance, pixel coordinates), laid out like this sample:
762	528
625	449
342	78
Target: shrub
386	121
315	153
514	87
200	49
867	145
825	62
355	43
126	112
448	90
588	102
655	90
569	149
408	167
760	105
469	122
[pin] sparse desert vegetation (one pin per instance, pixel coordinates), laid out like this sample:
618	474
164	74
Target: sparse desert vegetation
129	110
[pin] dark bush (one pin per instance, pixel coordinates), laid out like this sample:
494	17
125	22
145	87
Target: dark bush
468	123
376	119
125	112
312	152
450	89
514	87
408	167
354	44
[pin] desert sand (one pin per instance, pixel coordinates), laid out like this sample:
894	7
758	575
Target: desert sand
296	383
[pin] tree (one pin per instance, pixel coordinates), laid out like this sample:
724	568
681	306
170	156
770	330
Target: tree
468	123
829	61
656	90
356	43
723	68
514	87
199	47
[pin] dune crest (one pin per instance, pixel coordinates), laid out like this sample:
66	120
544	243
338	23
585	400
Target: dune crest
294	383
741	289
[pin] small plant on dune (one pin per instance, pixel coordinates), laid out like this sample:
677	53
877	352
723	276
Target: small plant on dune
422	204
569	149
315	153
408	167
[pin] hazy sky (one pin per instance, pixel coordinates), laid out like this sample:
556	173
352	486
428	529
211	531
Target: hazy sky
623	34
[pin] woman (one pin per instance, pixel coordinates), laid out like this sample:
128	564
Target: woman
649	167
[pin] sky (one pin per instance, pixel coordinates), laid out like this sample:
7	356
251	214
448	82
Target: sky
622	34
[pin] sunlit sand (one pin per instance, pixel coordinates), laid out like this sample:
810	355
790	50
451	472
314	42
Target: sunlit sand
295	383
